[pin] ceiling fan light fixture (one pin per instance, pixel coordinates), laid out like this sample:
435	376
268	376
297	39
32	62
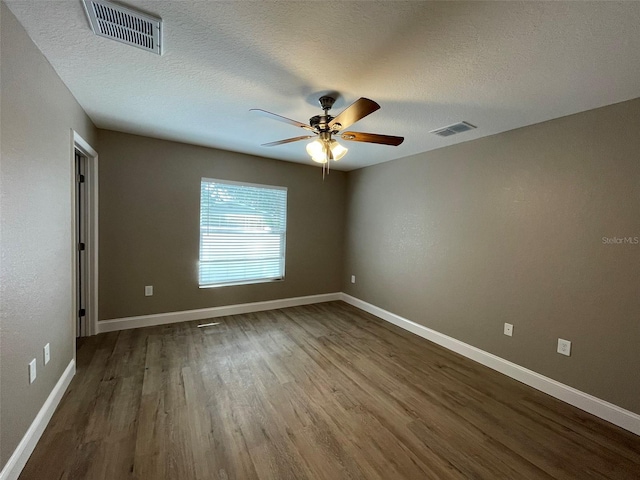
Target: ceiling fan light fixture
337	150
318	150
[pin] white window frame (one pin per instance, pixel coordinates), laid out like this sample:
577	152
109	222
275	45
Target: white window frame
283	234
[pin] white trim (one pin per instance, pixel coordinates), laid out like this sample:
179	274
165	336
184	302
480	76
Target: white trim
83	145
600	408
244	184
79	143
23	451
212	312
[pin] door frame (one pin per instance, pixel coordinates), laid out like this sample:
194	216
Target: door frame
91	184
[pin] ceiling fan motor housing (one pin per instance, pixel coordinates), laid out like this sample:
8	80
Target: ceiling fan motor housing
320	123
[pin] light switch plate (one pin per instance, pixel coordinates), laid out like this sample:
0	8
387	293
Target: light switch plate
148	291
353	279
47	353
508	329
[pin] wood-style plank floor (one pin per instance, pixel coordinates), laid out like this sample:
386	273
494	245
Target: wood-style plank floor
317	392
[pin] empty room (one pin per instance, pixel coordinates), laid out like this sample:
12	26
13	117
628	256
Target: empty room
319	240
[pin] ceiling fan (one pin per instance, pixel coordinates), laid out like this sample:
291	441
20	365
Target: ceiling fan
325	148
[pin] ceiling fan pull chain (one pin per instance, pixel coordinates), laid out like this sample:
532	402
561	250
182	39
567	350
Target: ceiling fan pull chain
328	162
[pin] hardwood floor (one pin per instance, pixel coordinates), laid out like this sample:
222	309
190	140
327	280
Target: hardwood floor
320	392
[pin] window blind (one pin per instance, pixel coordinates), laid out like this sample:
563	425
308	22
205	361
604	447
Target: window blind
242	232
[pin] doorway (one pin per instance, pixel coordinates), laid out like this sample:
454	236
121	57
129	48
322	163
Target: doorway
81	243
85	238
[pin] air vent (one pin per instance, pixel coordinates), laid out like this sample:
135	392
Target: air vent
125	25
453	129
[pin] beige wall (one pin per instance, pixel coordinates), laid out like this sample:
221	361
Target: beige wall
38	113
509	228
149	225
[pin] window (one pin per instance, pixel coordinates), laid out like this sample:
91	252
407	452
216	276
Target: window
243	230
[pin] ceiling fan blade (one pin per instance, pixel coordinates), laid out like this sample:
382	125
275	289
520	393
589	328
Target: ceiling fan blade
354	112
283	119
288	140
372	138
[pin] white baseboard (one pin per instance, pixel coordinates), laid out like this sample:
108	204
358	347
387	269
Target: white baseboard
600	408
23	451
203	313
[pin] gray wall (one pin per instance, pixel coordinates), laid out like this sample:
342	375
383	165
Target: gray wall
149	196
38	113
509	228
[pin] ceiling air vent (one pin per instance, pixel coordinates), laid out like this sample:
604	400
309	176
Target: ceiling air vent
125	25
453	129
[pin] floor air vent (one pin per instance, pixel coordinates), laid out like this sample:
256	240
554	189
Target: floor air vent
125	25
453	129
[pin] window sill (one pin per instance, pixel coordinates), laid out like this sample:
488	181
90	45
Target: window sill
237	284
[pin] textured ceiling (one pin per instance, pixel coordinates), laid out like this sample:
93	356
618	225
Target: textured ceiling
497	65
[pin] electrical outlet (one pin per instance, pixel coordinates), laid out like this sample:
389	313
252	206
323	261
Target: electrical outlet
47	353
148	291
508	329
353	279
32	371
564	347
